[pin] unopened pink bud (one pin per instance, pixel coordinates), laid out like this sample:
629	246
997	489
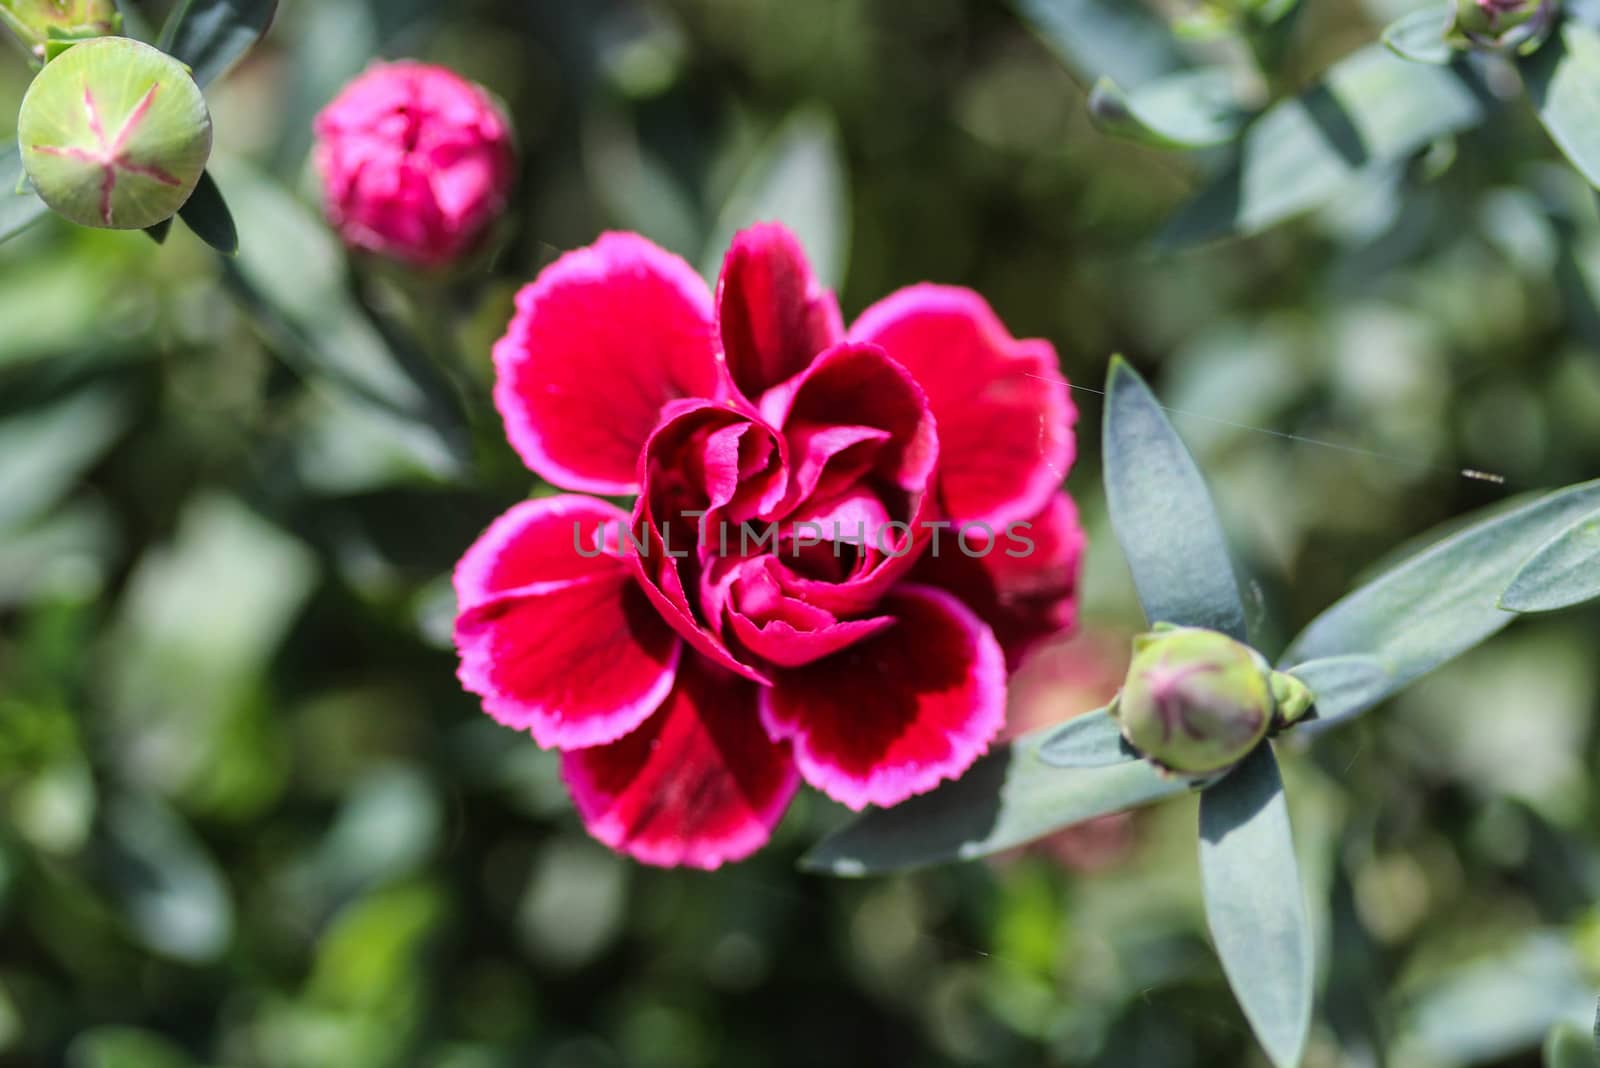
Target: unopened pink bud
416	162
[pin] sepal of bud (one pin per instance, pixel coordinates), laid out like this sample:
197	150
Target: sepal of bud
114	134
1292	699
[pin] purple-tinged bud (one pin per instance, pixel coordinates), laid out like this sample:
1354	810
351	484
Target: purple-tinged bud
1195	701
114	134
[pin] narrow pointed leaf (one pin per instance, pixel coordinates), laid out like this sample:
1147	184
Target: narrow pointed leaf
1092	740
207	215
1372	110
1443	600
1345	686
20	207
158	233
1255	905
1563	79
212	35
1191	109
1162	514
1563	573
1420	35
1008	798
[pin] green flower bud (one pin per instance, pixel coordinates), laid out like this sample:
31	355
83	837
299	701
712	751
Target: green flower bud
1195	701
114	134
37	22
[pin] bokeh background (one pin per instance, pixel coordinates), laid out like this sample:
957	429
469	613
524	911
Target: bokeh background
247	817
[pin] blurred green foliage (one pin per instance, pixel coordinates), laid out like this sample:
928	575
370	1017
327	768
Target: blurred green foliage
248	818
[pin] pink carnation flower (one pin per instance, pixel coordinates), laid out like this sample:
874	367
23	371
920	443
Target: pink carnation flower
416	162
839	537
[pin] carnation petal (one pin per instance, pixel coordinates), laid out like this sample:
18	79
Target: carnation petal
1002	405
574	663
1022	580
698	785
560	642
774	315
898	713
551	539
601	341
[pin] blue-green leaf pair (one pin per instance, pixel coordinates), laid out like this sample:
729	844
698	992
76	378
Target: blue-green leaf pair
1410	619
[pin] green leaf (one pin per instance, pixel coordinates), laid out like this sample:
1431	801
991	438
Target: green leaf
1190	109
1491	1009
170	889
1564	572
292	274
1162	514
1420	36
1105	38
45	450
212	35
1092	740
1569	1046
1009	797
1345	686
798	178
1443	600
125	1047
1563	79
1373	109
158	233
208	216
22	208
1255	905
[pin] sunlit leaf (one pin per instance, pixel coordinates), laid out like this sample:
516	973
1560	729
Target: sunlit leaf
212	35
1092	740
1345	686
1564	572
387	827
194	631
175	898
1443	600
43	451
125	1047
1372	109
1563	78
1163	516
1420	35
1191	109
1255	904
1105	38
1006	799
798	178
1496	1005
